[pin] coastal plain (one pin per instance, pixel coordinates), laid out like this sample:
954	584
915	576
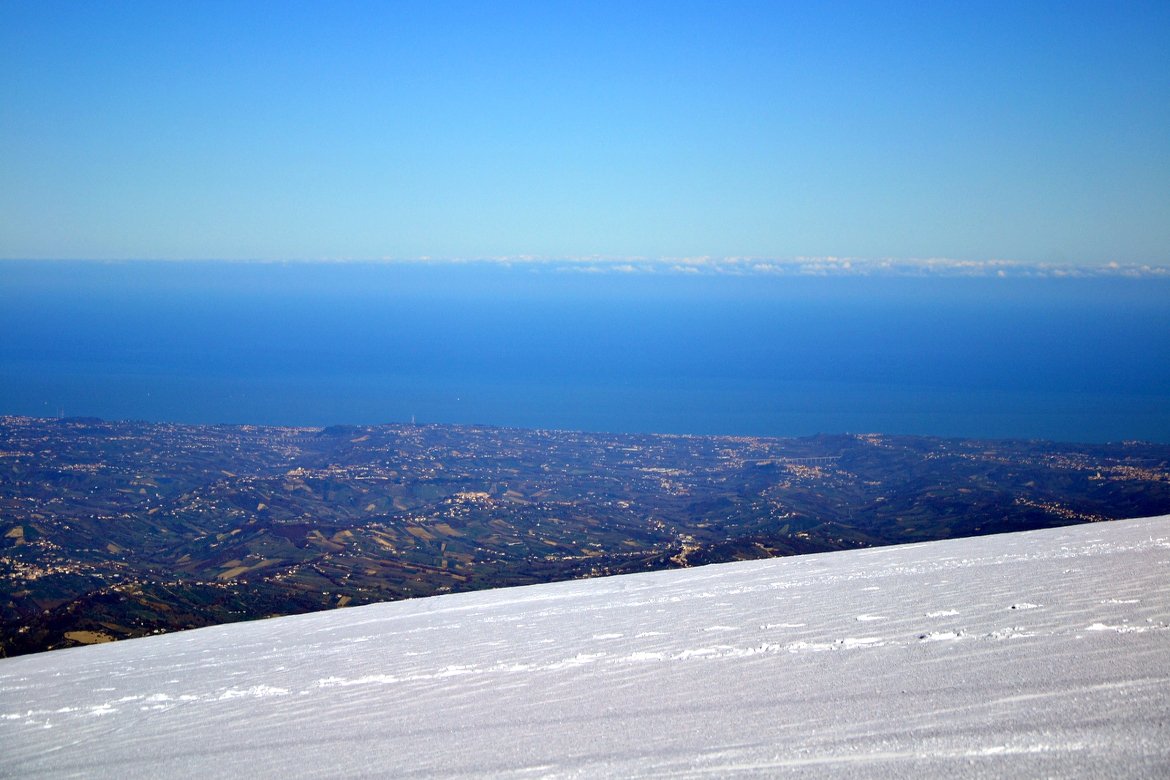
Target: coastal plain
113	530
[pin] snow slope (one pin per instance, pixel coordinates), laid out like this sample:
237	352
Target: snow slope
1034	654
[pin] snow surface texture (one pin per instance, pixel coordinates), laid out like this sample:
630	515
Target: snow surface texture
1039	654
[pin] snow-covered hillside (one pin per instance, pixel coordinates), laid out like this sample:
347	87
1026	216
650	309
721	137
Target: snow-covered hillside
1044	653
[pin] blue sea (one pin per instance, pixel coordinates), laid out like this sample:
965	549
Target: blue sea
528	345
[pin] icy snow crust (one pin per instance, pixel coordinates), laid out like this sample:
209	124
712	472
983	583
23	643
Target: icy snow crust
1034	654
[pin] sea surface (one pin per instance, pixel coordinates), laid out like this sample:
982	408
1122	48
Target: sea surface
532	345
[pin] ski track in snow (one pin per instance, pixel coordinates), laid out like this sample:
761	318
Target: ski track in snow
1043	653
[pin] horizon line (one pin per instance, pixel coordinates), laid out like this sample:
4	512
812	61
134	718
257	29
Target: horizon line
702	265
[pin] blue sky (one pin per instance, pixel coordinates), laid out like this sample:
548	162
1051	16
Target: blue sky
1027	132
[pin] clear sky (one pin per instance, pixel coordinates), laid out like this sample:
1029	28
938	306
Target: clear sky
1022	131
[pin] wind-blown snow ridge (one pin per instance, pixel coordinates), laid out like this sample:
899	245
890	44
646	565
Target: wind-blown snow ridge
1043	653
